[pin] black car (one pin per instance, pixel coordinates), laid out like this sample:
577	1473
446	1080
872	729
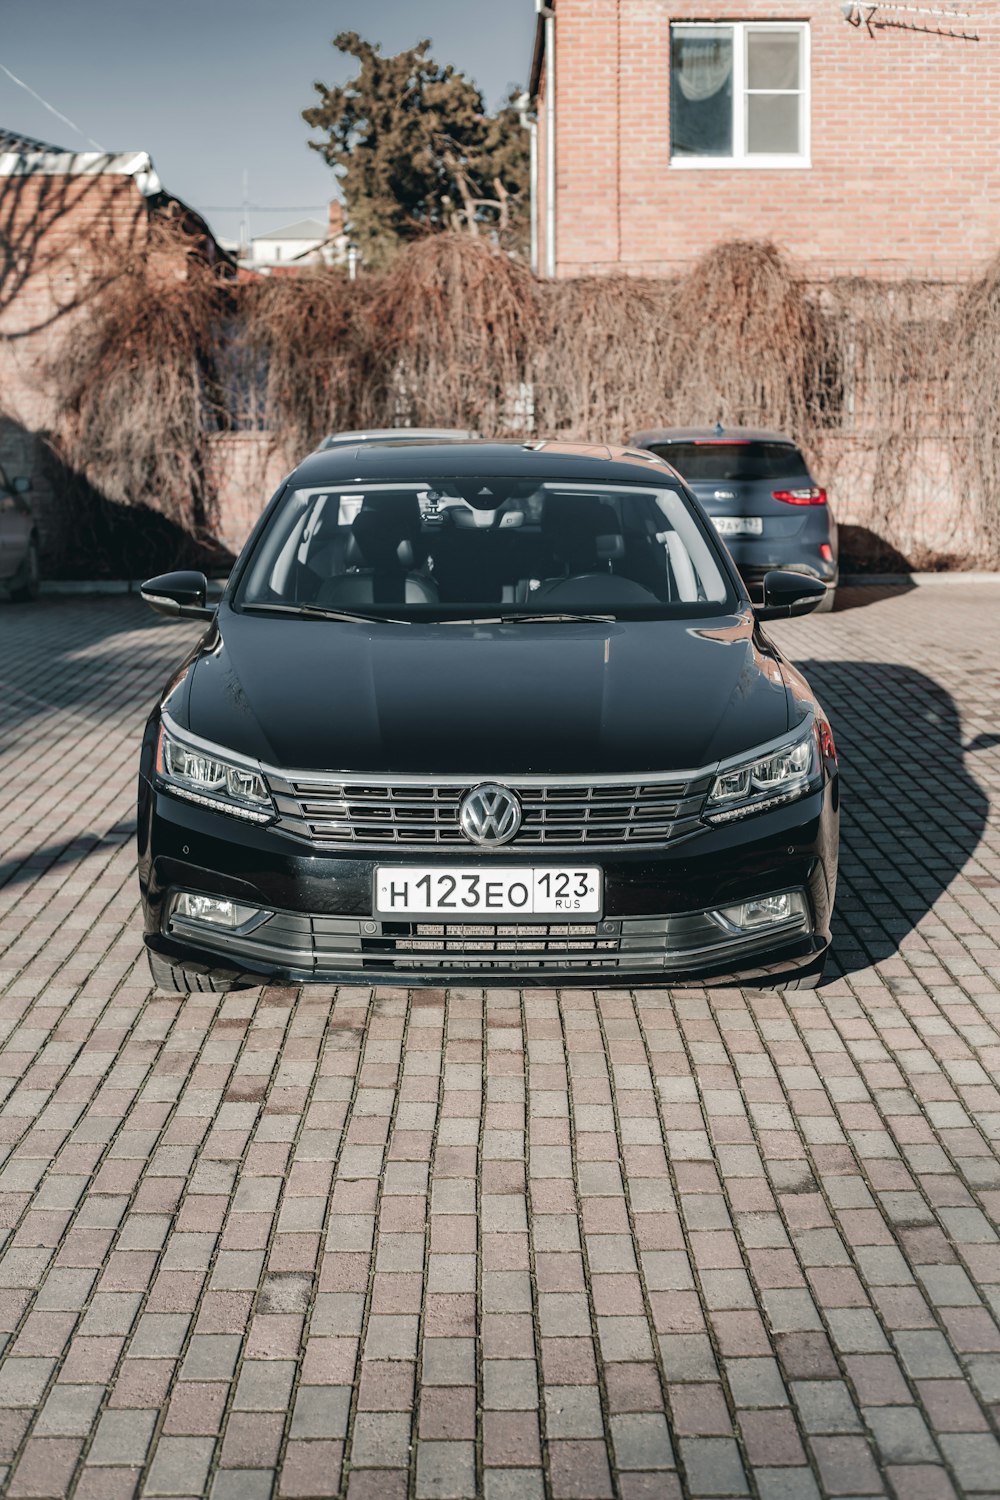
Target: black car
488	713
762	499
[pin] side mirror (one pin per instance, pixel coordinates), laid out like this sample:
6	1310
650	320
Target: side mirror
178	595
22	485
783	590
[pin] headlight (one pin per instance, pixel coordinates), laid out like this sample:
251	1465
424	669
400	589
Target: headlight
766	780
202	774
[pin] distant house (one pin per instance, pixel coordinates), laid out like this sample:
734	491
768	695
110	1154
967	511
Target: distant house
865	140
307	242
298	241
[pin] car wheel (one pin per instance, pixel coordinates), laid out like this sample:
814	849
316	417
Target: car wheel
807	979
24	584
825	605
174	978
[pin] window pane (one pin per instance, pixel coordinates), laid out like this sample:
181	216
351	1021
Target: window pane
701	91
773	59
772	124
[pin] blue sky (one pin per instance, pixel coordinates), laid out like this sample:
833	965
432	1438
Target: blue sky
214	88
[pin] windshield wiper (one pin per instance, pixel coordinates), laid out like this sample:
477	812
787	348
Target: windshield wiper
321	612
533	619
525	619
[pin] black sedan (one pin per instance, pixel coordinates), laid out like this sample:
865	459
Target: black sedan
762	499
487	713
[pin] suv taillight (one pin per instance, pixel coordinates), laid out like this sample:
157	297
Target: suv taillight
800	497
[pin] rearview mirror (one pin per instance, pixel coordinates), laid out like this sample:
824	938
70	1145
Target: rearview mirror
784	590
178	595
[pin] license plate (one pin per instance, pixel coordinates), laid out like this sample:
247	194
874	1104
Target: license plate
738	525
500	891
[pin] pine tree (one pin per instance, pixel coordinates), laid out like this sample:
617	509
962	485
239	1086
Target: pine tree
416	151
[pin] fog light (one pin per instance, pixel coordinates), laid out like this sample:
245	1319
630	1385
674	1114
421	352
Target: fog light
214	912
766	911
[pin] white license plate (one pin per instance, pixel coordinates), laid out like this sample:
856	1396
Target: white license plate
499	891
738	525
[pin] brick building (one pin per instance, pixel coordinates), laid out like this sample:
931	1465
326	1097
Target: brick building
859	145
64	217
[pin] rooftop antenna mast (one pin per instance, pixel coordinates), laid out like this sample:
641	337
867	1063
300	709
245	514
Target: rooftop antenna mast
869	14
245	220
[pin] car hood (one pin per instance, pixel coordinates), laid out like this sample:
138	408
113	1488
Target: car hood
483	699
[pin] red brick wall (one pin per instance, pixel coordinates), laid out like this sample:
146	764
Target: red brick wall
905	174
59	229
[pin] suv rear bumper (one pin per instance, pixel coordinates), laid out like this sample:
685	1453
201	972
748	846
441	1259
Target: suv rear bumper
754	559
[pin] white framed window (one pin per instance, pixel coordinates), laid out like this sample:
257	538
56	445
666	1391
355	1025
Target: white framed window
739	94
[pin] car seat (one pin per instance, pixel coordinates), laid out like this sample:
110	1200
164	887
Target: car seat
585	539
382	557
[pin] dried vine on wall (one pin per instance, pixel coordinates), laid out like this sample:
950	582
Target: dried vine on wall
892	389
136	384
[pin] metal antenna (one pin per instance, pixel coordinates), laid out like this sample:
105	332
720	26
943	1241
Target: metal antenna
245	221
868	13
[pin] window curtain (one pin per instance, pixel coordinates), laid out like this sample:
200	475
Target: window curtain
701	93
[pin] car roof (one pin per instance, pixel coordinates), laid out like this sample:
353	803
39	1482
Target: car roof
593	462
711	434
400	435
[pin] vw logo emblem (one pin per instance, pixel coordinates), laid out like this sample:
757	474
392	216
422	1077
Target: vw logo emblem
489	814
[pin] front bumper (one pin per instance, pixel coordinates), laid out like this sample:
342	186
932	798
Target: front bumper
320	925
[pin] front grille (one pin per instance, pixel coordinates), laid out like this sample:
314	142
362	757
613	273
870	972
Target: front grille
339	812
585	944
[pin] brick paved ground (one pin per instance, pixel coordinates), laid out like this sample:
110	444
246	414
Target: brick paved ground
377	1243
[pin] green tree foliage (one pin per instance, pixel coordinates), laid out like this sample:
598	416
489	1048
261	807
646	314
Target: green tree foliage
416	151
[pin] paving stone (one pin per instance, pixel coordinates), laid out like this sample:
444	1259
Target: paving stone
445	1471
641	1441
242	1484
69	1411
974	1457
573	1412
825	1406
381	1440
513	1484
180	1466
900	1434
713	1466
122	1437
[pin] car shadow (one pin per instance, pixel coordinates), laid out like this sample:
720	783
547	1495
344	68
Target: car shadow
89	660
863	551
74	850
860	595
912	812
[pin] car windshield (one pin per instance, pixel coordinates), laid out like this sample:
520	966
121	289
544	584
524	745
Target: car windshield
474	547
717	459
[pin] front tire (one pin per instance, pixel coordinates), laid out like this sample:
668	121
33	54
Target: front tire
24	586
807	979
175	979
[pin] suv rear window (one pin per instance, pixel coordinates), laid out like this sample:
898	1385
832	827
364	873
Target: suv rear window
721	460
